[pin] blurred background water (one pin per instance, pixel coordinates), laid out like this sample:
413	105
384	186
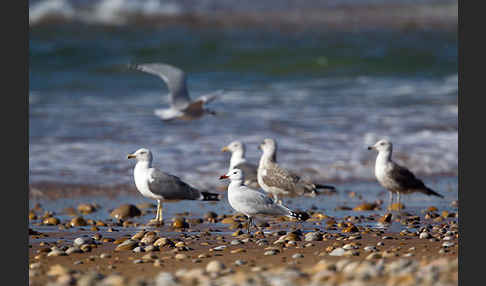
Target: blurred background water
324	78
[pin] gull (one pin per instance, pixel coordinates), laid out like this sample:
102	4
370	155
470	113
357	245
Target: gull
238	160
181	105
155	184
280	181
393	177
251	202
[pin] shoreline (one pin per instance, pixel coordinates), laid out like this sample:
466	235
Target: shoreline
353	17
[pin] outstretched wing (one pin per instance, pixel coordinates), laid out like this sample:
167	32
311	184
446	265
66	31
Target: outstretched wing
171	187
207	98
175	79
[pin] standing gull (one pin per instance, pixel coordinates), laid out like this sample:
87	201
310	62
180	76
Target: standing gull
181	105
238	160
157	185
279	181
393	177
251	202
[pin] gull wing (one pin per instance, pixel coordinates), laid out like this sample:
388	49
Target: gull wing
175	79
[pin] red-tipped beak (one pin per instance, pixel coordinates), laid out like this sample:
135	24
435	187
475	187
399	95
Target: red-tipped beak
223	177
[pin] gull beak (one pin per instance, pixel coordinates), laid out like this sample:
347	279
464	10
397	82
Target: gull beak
223	177
131	156
225	149
371	147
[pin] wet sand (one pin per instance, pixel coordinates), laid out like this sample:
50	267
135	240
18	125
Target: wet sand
202	235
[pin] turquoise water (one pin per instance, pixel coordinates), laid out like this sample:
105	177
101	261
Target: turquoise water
324	96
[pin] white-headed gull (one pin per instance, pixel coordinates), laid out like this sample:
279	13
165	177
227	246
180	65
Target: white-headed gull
280	181
238	160
251	202
393	177
155	184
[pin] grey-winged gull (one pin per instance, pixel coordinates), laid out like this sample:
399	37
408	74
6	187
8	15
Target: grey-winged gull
239	161
251	202
155	184
393	177
280	181
181	105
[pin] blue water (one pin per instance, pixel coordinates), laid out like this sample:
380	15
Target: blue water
323	95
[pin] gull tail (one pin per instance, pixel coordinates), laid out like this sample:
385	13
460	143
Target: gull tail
207	196
429	192
302	216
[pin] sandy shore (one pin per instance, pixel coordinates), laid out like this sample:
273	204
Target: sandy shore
393	254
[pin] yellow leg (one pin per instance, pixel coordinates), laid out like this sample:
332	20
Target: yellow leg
159	212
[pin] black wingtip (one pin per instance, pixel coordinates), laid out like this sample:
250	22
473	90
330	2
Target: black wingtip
302	216
207	196
433	193
319	186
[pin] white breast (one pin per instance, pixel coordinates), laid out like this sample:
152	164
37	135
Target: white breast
141	176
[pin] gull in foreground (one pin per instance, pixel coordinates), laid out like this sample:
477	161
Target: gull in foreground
181	105
157	185
238	160
393	177
280	181
251	202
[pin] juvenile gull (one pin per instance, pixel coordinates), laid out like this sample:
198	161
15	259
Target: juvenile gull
238	160
181	105
251	202
393	177
157	185
279	181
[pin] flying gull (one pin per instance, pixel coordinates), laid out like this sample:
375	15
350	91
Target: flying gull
393	177
279	181
181	105
238	160
251	202
155	184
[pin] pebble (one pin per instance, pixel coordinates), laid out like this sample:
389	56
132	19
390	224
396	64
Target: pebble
138	249
137	261
235	242
313	236
338	252
82	240
35	265
56	252
73	249
105	255
215	266
380	243
128	244
240	262
271	252
448	244
220	248
78	221
298	255
370	248
374	256
180	256
125	211
424	235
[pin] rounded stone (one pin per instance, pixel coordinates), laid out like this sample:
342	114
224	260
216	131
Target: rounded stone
125	211
215	266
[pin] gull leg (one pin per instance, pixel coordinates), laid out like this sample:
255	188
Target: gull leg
250	222
398	195
390	202
160	212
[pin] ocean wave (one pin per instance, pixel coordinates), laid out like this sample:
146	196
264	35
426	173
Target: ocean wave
290	12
